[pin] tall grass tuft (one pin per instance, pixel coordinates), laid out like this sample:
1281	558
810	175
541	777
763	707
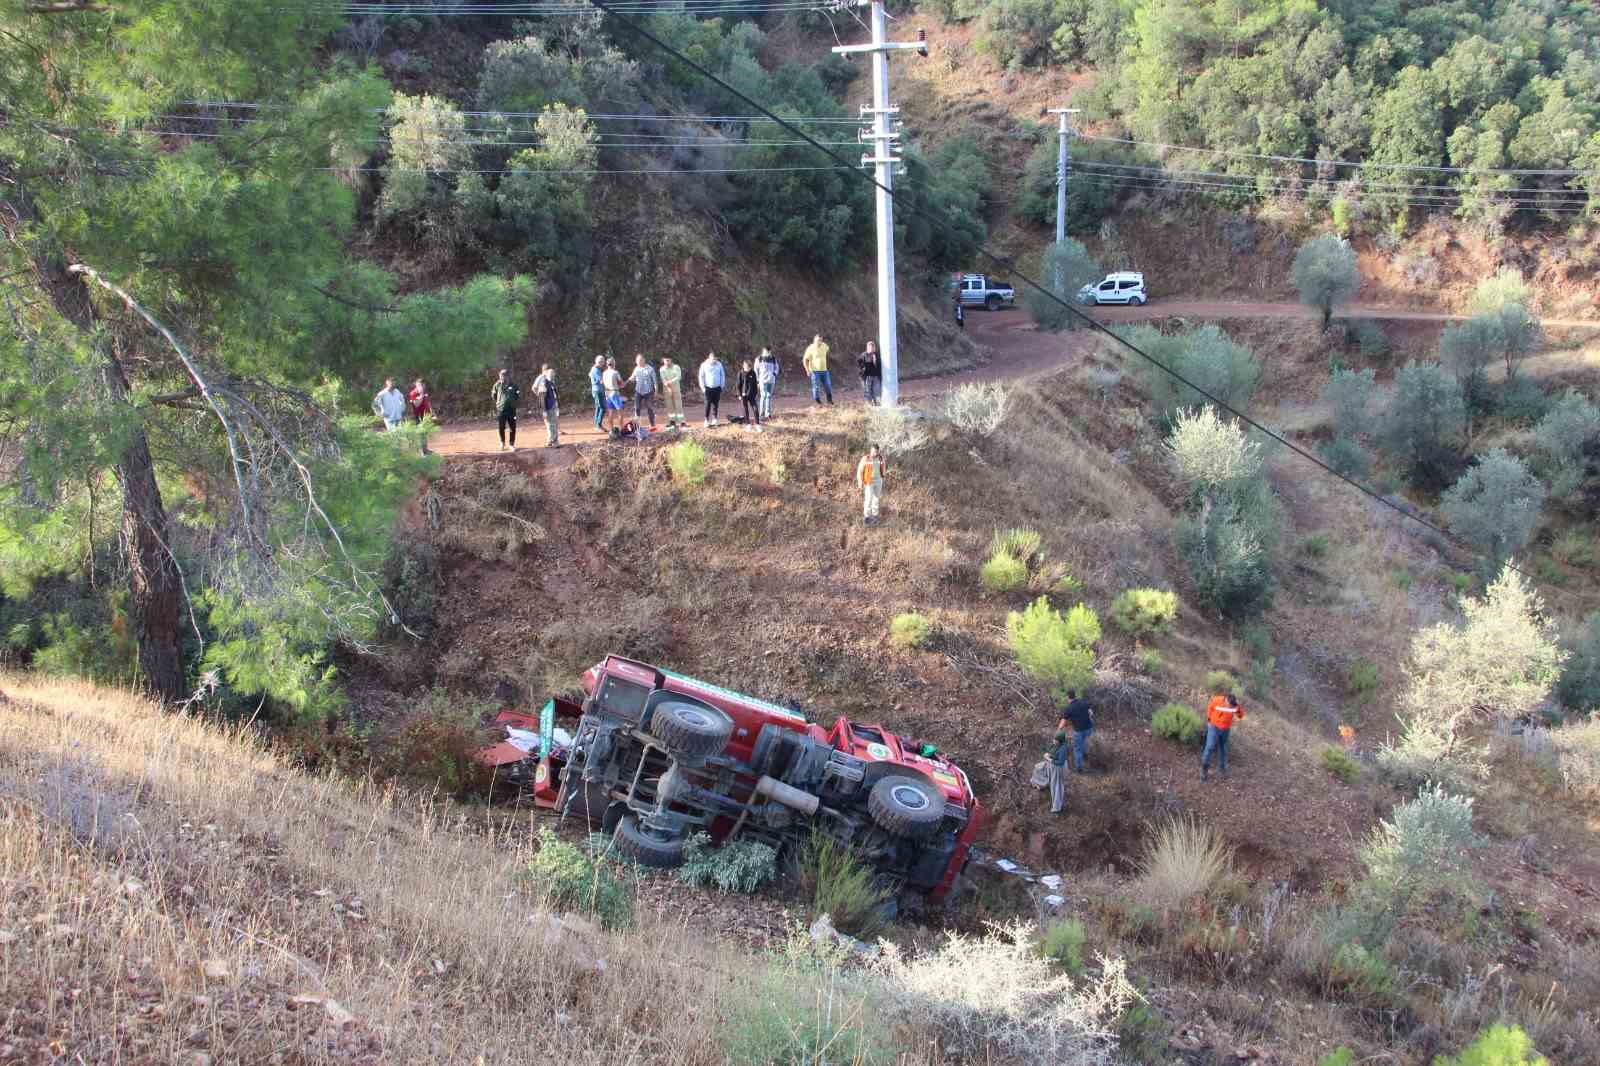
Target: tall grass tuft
842	887
1182	859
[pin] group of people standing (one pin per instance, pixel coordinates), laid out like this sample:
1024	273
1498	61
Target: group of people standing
1078	717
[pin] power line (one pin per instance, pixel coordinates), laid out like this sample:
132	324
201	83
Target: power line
602	116
601	170
1154	184
1250	178
1092	322
1337	162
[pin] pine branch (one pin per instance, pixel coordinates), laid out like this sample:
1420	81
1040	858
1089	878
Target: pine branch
193	370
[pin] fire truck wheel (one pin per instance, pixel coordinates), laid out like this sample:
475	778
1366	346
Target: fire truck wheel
646	847
905	806
690	731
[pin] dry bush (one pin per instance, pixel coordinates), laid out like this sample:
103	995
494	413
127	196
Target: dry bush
1182	859
174	889
1577	746
922	559
487	513
568	646
996	993
976	409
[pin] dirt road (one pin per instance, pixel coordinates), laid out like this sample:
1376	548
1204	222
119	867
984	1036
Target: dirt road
1013	349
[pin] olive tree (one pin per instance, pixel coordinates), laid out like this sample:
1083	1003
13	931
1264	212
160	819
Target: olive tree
1494	507
1325	273
1065	268
1425	424
1560	440
1207	357
1231	526
1499	660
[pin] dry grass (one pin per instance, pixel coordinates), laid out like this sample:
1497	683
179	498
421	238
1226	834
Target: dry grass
172	892
1182	859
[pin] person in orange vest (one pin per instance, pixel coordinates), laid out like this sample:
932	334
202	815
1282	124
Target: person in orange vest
870	476
1221	713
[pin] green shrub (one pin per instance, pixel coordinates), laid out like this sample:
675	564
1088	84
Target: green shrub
1421	847
1150	662
1579	686
1499	1045
1178	723
1339	1056
1338	762
1064	268
1360	679
1574	548
796	1017
1182	860
1208	357
1056	650
1522	401
687	461
1348	394
1494	507
1316	546
842	887
1063	944
1138	612
1347	457
1020	544
1559	440
738	866
432	743
1220	682
574	881
909	630
1361	974
1425	425
1003	573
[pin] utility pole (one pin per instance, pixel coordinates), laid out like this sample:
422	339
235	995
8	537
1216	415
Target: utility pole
1063	168
883	135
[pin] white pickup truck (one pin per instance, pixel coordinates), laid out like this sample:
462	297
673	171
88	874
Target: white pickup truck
980	290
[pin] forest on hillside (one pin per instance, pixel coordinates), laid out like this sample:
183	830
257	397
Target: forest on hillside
1384	109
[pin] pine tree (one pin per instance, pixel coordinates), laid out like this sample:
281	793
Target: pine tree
183	313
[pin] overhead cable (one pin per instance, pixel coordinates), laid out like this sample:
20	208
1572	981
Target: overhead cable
1093	323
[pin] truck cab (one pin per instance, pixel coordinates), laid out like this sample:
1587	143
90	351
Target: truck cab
980	290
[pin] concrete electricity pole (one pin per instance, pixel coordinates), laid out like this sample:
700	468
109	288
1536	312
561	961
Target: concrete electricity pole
883	135
1063	168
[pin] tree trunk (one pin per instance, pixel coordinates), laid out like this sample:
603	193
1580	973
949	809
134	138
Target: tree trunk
153	585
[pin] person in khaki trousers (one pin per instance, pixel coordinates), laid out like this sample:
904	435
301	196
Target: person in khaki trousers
870	476
671	375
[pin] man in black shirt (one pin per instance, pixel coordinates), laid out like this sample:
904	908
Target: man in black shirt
1079	713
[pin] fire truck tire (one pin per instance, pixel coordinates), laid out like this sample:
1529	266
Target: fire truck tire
905	806
690	731
634	841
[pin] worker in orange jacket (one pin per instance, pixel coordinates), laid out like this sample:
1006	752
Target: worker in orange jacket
1221	713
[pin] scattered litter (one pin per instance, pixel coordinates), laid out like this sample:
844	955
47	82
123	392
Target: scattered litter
1054	901
1007	865
1051	881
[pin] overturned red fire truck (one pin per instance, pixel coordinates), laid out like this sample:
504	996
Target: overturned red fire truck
656	757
